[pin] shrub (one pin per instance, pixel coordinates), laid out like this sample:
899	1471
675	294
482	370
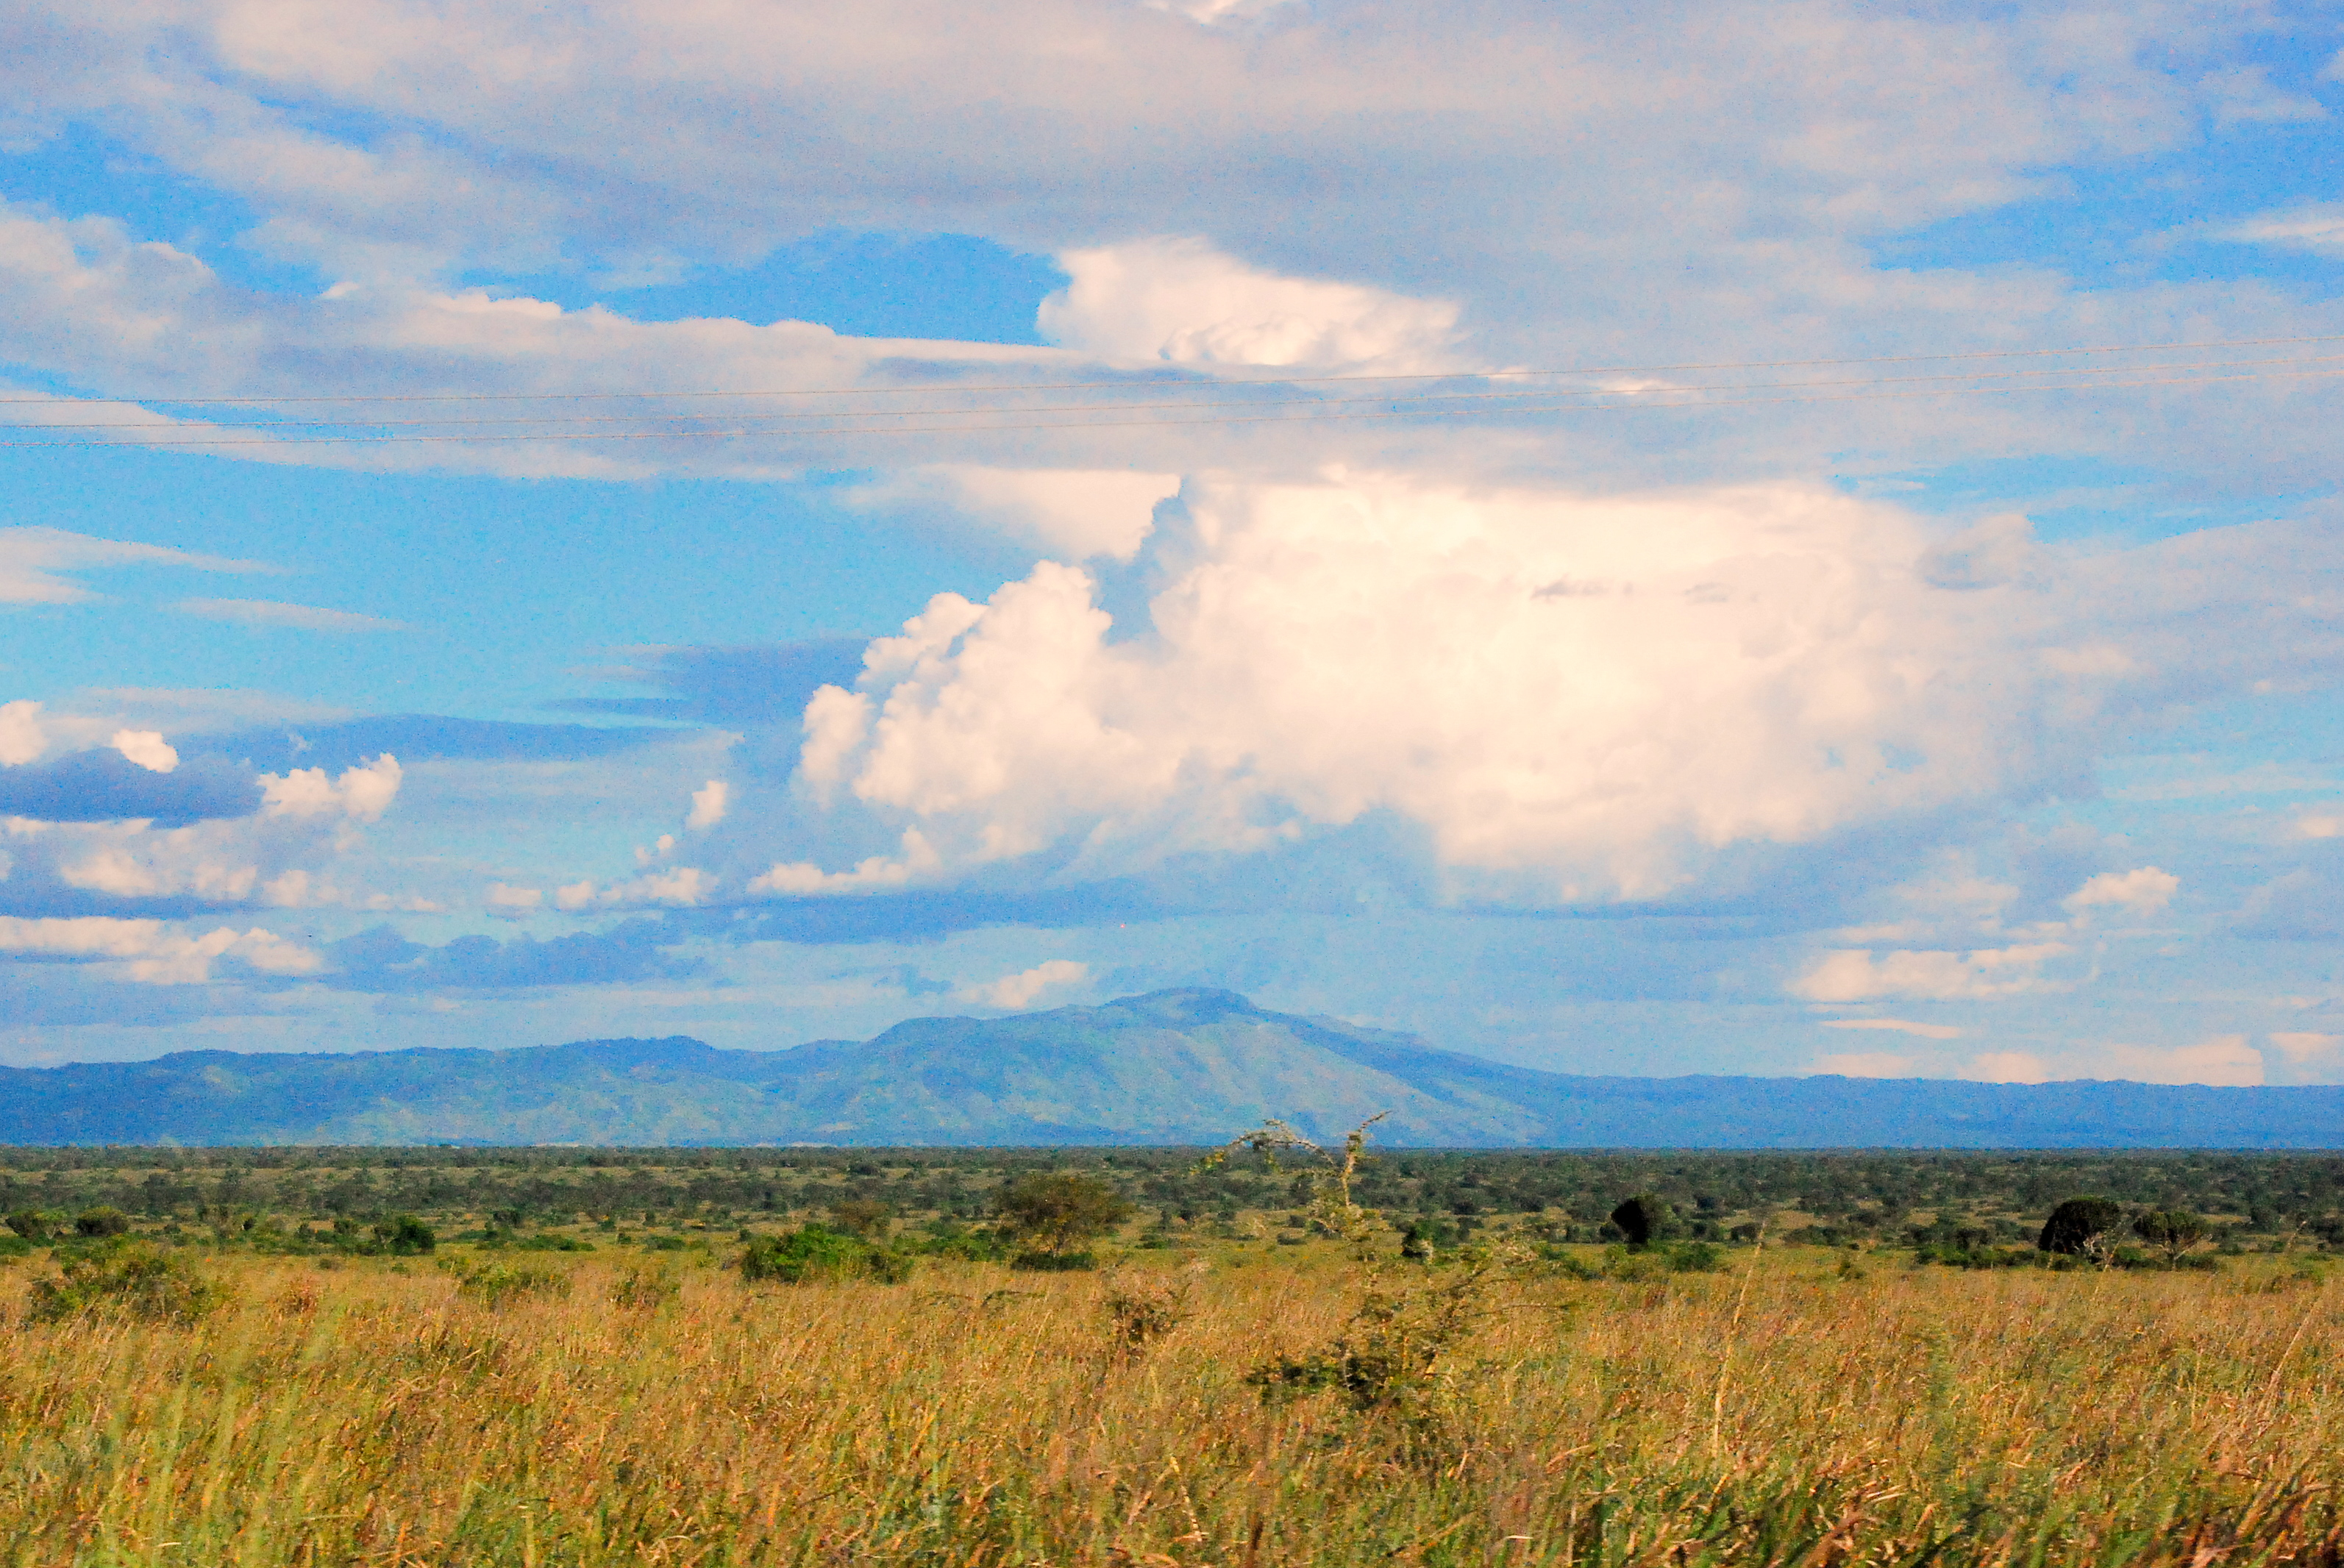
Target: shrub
405	1235
2081	1226
1055	1211
964	1245
817	1252
142	1281
100	1222
1142	1311
646	1285
2175	1232
30	1224
1643	1219
1385	1360
496	1284
1053	1263
1695	1256
863	1216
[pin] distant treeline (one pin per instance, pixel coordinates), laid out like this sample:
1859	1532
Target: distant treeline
1834	1198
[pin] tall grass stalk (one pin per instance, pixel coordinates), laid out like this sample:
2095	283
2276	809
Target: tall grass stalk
977	1417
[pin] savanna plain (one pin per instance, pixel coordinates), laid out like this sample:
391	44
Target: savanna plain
441	1356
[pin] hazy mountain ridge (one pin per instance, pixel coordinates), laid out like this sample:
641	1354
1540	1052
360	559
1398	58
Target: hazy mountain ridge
1172	1066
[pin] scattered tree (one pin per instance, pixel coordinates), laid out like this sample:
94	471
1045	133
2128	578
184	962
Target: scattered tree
1324	1191
30	1224
1055	1212
2175	1232
2081	1226
101	1221
1643	1219
862	1216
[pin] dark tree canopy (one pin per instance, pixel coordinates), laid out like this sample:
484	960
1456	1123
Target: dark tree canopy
1643	1219
2080	1224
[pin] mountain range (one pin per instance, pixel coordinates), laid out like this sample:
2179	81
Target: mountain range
1180	1067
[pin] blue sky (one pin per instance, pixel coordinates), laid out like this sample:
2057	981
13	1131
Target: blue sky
1745	703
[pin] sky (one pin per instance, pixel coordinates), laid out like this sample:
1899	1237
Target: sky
1719	538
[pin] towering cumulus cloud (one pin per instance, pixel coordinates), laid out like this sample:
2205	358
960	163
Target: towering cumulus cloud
1575	698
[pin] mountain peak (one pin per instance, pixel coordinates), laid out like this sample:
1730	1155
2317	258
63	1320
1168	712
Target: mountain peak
1185	1007
1188	1064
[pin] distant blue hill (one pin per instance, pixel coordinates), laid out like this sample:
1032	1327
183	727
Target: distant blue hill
1174	1067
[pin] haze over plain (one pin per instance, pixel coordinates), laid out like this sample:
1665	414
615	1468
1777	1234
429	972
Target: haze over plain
1148	583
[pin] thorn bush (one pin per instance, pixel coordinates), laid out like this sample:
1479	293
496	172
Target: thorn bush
143	1282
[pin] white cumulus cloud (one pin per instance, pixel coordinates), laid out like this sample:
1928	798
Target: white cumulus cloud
147	748
151	952
2142	892
2225	1060
1076	512
1853	975
1574	697
1182	301
1012	992
917	860
1579	697
22	739
708	803
509	903
2302	1048
1897	1025
363	792
1865	1064
2006	1067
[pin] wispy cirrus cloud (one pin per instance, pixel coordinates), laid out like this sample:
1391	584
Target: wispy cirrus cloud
269	613
37	565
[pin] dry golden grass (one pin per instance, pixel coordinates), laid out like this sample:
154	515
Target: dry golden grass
977	1416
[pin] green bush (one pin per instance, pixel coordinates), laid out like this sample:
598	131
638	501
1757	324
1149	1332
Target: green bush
816	1251
405	1235
1694	1257
965	1246
1053	1263
100	1222
142	1281
29	1223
